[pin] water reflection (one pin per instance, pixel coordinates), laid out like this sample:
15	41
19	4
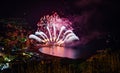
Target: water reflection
60	51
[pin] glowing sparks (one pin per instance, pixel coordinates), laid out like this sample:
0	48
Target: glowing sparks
55	30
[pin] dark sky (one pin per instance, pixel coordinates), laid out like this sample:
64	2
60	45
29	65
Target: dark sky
29	9
32	10
12	8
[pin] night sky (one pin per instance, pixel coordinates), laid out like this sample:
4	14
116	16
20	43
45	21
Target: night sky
89	15
33	10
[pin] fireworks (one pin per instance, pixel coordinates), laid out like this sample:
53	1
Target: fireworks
54	30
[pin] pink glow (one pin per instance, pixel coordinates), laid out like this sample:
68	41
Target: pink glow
54	19
59	51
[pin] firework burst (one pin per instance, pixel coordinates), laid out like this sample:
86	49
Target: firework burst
54	30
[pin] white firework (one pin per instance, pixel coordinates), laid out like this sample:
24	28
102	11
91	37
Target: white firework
63	36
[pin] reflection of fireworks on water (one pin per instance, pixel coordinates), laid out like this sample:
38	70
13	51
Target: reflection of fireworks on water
60	51
54	30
